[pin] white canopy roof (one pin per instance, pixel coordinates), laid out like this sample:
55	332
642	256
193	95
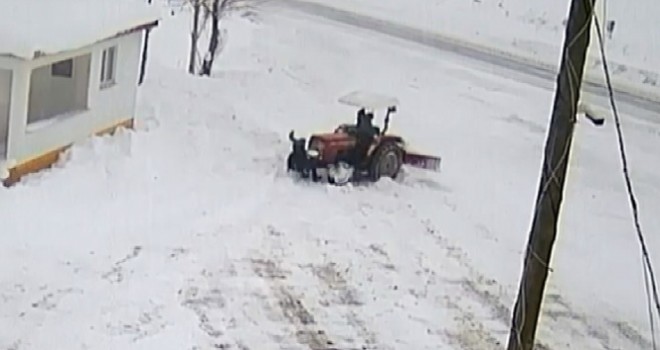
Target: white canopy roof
46	27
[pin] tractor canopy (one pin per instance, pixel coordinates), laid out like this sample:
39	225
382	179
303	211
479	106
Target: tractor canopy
368	100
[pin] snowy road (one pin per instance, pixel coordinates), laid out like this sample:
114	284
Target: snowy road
187	235
479	58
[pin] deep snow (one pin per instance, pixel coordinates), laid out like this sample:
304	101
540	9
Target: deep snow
187	234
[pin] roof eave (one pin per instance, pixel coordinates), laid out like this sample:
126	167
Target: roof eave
38	54
144	26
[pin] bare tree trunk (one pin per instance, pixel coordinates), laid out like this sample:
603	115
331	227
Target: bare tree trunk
194	37
216	10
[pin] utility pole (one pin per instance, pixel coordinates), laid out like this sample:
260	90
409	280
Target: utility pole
553	175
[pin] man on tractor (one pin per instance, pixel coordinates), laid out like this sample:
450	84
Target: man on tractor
365	134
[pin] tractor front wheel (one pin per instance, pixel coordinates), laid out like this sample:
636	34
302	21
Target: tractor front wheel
386	161
340	173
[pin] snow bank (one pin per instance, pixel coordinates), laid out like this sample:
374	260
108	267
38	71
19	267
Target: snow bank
29	26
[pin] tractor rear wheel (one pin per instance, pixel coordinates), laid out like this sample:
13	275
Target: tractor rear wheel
386	161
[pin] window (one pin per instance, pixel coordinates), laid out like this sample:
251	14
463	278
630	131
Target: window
108	67
56	90
62	69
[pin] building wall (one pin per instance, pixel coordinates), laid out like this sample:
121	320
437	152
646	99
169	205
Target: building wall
106	106
5	98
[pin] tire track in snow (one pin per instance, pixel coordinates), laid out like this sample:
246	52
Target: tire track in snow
335	281
489	293
481	305
200	303
481	319
209	297
470	333
116	274
302	312
473	307
486	293
473	332
148	322
339	298
308	332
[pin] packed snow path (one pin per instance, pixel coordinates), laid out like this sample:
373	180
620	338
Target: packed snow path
187	235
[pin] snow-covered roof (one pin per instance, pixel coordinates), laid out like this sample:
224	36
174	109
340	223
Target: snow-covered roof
28	27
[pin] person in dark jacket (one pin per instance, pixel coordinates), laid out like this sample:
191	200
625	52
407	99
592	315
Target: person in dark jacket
365	134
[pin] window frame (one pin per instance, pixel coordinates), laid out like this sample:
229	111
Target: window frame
108	76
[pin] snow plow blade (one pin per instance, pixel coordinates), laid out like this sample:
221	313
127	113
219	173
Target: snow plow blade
422	161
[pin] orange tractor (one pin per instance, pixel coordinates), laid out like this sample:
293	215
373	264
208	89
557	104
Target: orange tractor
355	152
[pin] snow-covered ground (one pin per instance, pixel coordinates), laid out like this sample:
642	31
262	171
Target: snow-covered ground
531	30
186	234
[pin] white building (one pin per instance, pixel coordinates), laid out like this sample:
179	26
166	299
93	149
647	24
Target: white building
68	69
